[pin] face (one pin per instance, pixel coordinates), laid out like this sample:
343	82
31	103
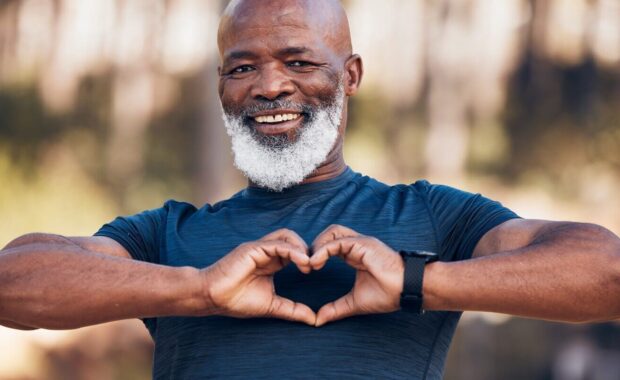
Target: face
283	84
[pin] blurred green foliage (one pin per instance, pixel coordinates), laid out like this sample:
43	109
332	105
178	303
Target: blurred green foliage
555	142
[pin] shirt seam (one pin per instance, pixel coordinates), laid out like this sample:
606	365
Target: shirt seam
120	239
432	350
433	222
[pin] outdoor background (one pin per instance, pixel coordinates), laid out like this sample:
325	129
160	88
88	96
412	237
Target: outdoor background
108	107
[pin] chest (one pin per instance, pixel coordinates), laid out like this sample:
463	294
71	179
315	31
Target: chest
393	345
205	238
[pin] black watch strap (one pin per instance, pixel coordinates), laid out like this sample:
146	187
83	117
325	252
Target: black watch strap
411	299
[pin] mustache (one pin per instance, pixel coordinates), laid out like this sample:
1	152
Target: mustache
247	111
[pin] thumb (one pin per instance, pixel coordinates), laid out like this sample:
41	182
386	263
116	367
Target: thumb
341	308
284	308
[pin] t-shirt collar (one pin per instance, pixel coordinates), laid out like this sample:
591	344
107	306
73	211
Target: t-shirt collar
320	186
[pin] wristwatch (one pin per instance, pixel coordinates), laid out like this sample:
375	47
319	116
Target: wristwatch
411	298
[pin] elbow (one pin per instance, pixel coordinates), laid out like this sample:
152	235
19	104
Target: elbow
611	266
602	256
610	246
616	275
600	241
609	249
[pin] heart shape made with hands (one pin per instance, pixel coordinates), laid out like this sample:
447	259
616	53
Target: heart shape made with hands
241	283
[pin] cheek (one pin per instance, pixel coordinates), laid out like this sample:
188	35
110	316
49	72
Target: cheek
233	92
323	88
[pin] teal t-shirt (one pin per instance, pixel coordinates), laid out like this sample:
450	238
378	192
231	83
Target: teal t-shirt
396	345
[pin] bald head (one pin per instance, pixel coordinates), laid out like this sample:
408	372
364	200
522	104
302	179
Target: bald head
324	19
286	72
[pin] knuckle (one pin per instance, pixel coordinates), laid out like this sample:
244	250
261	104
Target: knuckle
349	303
334	308
371	240
246	246
273	307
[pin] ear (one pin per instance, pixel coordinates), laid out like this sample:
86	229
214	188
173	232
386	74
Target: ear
354	70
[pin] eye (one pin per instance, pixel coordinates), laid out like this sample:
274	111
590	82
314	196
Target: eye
241	69
298	64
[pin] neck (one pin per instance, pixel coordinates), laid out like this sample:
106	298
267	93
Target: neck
328	170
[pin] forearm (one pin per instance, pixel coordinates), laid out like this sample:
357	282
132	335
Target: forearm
60	286
571	274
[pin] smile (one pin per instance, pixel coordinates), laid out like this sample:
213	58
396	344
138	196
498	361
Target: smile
271	119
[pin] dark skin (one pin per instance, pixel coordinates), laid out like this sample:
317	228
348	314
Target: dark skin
303	67
540	269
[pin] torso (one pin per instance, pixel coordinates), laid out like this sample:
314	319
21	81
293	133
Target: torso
395	345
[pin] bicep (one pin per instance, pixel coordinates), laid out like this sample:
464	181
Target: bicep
101	244
96	244
510	235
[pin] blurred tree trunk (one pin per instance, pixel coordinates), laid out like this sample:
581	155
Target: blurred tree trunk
8	33
133	94
468	72
447	141
215	175
214	172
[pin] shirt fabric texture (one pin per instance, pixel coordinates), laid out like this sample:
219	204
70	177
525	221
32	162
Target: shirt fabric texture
397	345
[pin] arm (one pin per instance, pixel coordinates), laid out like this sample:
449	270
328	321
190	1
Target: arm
55	282
550	270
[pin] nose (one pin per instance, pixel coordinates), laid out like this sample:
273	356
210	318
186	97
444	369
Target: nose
271	84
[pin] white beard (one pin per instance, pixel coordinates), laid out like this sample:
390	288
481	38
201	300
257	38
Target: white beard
277	167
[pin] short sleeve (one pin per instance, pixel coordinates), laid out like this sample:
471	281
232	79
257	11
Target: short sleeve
461	219
139	234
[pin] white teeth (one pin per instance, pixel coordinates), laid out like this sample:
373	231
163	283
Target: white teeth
276	118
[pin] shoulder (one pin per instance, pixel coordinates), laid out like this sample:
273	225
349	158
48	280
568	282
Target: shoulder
434	195
440	191
419	191
444	199
172	206
155	218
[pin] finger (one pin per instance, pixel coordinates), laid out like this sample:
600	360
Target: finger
331	233
341	247
274	265
284	308
288	236
265	251
341	308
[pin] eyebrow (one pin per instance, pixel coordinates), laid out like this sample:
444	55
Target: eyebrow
246	54
240	54
294	50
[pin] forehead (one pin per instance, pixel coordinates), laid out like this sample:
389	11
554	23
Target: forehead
271	27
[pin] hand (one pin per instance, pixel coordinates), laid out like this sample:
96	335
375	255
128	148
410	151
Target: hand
379	277
241	283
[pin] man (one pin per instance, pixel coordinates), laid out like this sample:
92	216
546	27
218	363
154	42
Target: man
203	279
